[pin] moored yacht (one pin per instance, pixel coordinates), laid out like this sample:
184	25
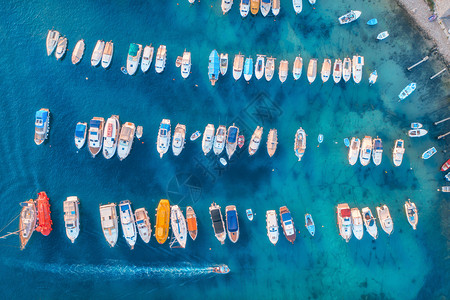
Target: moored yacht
52	41
377	152
326	70
366	151
41	125
27	223
96	135
347	69
358	63
254	7
309	224
275	7
78	52
385	219
107	54
265	7
97	53
357	223
232	223
373	77
344	221
179	139
223	63
255	141
226	5
126	138
300	143
398	152
134	55
128	223
298	66
143	224
270	68
208	138
353	150
369	222
312	70
337	70
272	226
72	217
162	221
349	17
272	142
191	220
220	139
213	67
407	91
238	66
186	64
232	135
147	58
298	6
287	223
178	224
160	60
244	8
248	68
259	66
61	47
108	218
283	70
163	140
411	213
110	136
217	222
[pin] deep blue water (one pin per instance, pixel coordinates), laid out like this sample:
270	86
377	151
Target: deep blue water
409	264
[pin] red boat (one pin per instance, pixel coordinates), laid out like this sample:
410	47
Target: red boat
241	141
446	165
43	214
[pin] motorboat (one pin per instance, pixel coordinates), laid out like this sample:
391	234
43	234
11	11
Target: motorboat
283	70
61	47
382	35
147	58
160	60
337	70
385	219
221	269
162	221
163	141
255	141
372	22
398	152
95	135
346	142
358	63
312	2
41	125
326	70
265	7
186	64
377	152
226	5
429	153
195	136
298	6
344	221
445	166
80	134
72	217
347	69
287	223
128	223
143	224
446	189
107	54
298	66
241	141
275	7
179	139
213	67
259	65
232	135
309	224
312	70
220	140
248	68
249	214
78	52
44	220
178	224
320	138
416	125
417	132
272	226
366	151
232	223
272	142
97	53
134	55
370	222
52	41
411	213
270	68
223	63
191	220
110	136
407	91
208	138
353	150
223	161
126	138
110	227
238	65
373	77
27	222
357	223
217	222
300	143
254	7
349	17
244	8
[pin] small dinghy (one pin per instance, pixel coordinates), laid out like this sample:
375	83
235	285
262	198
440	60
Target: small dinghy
241	141
195	135
432	17
417	132
346	142
223	161
416	125
429	153
372	22
309	223
249	213
139	131
178	61
382	35
320	138
223	63
447	176
124	70
373	77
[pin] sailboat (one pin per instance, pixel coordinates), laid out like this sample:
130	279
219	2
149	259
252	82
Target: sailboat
178	224
213	67
270	68
312	70
326	70
347	69
337	70
300	143
238	66
298	66
208	138
27	223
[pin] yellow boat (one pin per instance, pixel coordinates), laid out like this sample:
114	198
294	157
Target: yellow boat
162	221
254	6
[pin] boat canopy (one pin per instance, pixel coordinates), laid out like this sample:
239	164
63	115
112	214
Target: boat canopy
245	1
265	1
232	222
41	118
79	130
214	65
125	207
95	123
217	221
378	145
346	213
400	144
286	217
232	132
134	48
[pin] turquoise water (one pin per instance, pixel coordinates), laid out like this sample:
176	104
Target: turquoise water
409	264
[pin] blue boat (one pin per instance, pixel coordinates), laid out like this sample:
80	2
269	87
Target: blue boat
309	223
248	68
407	91
233	133
346	142
249	212
80	134
429	153
232	223
320	138
372	22
41	125
213	67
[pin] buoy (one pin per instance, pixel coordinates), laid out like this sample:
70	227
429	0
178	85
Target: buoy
87	78
142	142
196	85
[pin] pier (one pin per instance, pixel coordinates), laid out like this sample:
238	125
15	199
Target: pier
443	135
418	63
438	73
438	122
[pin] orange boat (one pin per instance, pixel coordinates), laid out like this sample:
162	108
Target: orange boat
191	222
43	214
162	221
254	6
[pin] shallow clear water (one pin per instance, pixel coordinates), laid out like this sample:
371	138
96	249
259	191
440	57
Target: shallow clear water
409	264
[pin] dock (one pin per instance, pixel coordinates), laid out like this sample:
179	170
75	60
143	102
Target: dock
438	73
418	63
443	135
443	120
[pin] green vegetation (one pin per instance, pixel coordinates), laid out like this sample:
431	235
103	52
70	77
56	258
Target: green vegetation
430	4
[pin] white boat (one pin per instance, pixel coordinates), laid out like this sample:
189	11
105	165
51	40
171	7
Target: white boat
312	70
95	136
255	141
143	224
347	69
276	7
272	226
147	58
248	68
326	70
377	151
298	66
382	35
108	218
300	143
126	138
191	1
128	223
72	217
283	70
270	68
337	70
133	58
178	224
265	7
97	53
163	141
385	219
353	150
407	91
226	6
179	139
259	66
357	64
223	63
78	52
344	221
107	54
61	47
220	140
373	77
312	2
411	213
244	8
429	153
298	6
417	132
398	152
80	134
446	189
139	131
370	222
349	17
232	137
272	142
249	213
160	61
186	64
223	161
366	151
357	223
52	41
238	66
27	222
41	125
416	125
208	138
110	136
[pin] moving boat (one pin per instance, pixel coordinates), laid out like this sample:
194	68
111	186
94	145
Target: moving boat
272	226
445	166
254	6
275	7
217	222
178	224
186	64
96	135
44	220
107	54
191	220
407	91
326	70
358	63
255	141
372	22
298	6
337	70
208	138
226	6
213	67
179	139
134	55
244	8
126	140
52	41
78	52
97	53
382	35
377	152
80	134
110	136
349	17
128	223
417	132
411	213
287	223
195	136
221	269
249	213
41	125
232	135
265	7
223	63
108	217
248	68
416	125
147	58
143	224
259	66
429	153
72	217
298	66
283	71
397	153
162	221
309	224
344	221
312	70
357	223
272	142
61	48
270	68
353	150
300	143
27	223
160	60
385	219
232	223
238	65
347	69
366	151
373	77
163	140
220	139
369	222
